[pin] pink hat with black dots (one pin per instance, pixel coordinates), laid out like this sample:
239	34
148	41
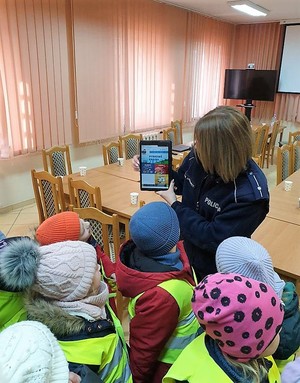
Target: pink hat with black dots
241	314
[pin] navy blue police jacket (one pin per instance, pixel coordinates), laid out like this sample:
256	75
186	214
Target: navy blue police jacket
212	210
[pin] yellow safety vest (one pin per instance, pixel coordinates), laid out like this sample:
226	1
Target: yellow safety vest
108	352
12	308
195	365
187	326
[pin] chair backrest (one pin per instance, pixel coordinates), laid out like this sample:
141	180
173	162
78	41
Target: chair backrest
294	136
178	125
274	133
130	145
284	162
111	152
49	194
170	134
57	161
82	194
296	156
105	228
260	141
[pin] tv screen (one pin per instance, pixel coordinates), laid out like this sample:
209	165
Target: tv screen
250	84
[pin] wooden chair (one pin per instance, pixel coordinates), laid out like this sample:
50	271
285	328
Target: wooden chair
58	160
270	145
284	162
294	136
178	160
130	145
111	152
178	125
49	194
295	155
170	134
82	194
102	225
260	141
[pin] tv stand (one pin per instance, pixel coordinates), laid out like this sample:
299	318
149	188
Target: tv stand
248	107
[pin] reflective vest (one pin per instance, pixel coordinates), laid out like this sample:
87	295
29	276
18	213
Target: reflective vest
187	326
195	365
11	308
108	351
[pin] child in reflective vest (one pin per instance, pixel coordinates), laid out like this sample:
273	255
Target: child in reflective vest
67	226
154	272
12	308
247	257
241	318
69	297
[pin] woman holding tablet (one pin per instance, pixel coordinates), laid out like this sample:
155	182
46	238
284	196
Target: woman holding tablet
224	192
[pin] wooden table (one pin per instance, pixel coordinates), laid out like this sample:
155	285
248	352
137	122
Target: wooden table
282	241
284	205
115	191
279	233
126	171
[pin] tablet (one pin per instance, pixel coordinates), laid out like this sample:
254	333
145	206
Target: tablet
155	164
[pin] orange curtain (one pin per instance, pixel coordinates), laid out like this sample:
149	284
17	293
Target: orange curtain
129	60
35	75
208	51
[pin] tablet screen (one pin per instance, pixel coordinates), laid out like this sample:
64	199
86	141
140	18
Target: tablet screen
155	164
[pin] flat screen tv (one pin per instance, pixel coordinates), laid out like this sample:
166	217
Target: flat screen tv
250	84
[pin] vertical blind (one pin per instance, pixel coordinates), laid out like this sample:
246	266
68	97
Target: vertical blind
119	66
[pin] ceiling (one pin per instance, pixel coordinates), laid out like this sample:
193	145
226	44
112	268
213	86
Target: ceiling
280	10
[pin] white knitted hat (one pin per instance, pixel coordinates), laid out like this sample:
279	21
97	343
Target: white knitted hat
66	270
30	353
244	256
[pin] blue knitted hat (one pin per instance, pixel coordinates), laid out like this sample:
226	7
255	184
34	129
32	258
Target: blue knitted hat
154	228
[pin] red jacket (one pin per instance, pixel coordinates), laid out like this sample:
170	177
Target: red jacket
156	312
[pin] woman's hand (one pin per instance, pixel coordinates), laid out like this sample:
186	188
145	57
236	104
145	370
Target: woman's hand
168	195
136	162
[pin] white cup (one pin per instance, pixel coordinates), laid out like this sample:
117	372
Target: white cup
134	196
82	170
121	161
288	185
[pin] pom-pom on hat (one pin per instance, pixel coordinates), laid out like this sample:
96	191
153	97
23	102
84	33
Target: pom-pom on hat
154	228
18	262
30	353
247	257
60	227
241	314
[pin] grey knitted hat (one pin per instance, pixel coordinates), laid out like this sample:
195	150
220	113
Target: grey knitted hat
244	256
154	228
66	270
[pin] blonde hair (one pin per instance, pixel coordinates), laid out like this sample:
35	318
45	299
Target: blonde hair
223	142
254	371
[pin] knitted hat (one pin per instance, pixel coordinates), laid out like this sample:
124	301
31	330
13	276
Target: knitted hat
291	372
60	227
154	228
247	257
30	353
18	257
66	270
241	314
